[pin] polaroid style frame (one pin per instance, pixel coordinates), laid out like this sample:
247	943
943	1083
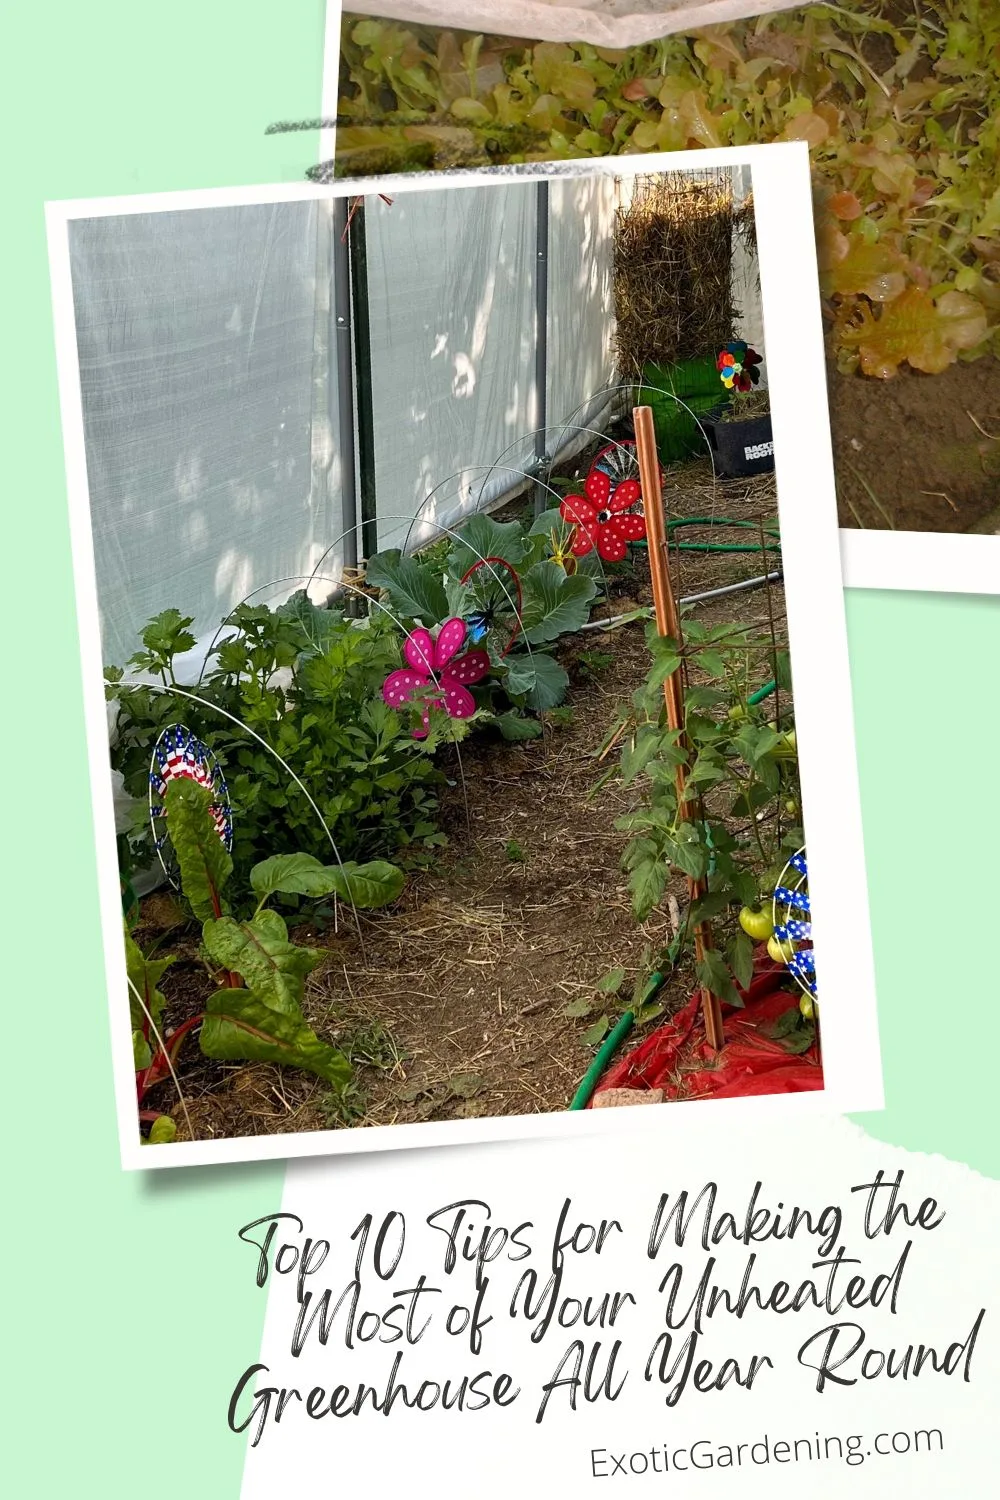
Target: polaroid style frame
817	634
937	562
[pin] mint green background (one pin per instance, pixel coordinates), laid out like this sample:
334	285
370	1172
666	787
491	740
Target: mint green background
125	1295
127	1306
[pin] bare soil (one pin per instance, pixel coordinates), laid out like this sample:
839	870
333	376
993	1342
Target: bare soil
474	995
918	452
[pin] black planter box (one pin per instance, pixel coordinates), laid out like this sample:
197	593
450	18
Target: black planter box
741	447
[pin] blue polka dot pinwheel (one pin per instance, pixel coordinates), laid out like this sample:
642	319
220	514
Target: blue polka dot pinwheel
791	914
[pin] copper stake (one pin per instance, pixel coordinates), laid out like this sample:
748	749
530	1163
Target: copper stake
668	624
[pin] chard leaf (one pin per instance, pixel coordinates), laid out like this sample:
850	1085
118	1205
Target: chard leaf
145	974
370	885
261	953
239	1026
202	857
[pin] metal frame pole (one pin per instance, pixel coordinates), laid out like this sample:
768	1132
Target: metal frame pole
342	414
541	335
364	404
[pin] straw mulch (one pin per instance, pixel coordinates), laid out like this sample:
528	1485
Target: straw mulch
673	267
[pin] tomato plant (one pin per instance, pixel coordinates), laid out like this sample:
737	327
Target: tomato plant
740	770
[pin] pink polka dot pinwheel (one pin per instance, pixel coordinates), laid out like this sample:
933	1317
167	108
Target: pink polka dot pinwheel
603	518
436	665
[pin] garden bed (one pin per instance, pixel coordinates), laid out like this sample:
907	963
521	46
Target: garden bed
475	994
912	454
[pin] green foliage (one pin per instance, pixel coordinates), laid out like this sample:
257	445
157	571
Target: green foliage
308	682
554	604
372	885
204	863
162	1130
145	999
256	1013
899	105
428	589
741	769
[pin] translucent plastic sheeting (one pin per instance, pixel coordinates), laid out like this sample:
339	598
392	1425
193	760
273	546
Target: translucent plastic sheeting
746	277
451	298
205	372
581	347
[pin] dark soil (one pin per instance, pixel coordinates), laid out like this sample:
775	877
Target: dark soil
473	997
908	453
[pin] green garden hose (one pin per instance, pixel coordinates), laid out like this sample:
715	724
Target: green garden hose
678	521
611	1043
762	693
607	1050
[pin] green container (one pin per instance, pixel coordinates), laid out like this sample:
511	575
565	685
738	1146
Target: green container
696	384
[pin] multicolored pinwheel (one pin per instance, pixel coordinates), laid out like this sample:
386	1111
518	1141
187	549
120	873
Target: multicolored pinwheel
738	366
179	753
437	673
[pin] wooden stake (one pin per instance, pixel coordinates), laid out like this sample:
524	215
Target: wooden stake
668	623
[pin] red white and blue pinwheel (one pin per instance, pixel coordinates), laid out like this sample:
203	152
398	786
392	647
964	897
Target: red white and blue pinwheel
179	753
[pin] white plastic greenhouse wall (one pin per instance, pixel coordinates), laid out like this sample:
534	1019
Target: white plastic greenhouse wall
209	380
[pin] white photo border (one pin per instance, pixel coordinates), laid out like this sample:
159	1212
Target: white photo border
817	630
933	562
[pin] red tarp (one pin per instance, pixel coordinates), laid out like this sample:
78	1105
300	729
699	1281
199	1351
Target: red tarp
677	1058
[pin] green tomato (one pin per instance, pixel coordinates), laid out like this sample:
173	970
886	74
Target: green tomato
780	951
756	923
736	712
807	1007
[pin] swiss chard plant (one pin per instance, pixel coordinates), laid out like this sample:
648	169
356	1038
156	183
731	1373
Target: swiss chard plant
556	600
308	682
739	756
255	1012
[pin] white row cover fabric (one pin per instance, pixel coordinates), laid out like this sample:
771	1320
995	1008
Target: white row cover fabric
602	23
202	338
581	353
451	299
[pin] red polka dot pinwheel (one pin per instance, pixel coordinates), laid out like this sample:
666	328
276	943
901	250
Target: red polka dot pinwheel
603	516
738	366
435	666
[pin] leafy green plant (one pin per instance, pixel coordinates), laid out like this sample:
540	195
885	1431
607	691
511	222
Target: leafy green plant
308	682
899	106
255	1012
433	586
741	771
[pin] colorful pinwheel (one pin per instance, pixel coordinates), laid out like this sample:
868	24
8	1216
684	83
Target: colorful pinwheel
738	366
790	928
438	673
603	516
179	753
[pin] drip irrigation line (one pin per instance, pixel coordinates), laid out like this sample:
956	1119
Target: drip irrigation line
729	588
